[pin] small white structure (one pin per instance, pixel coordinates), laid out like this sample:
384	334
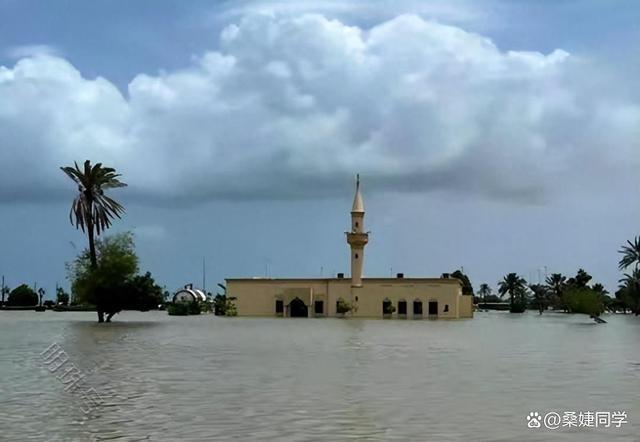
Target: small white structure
189	294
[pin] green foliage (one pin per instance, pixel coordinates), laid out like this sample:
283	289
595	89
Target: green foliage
104	286
224	306
581	280
23	295
467	288
92	209
556	285
142	293
516	287
231	309
114	284
62	297
184	308
540	297
178	309
484	290
628	294
343	307
630	254
584	300
388	308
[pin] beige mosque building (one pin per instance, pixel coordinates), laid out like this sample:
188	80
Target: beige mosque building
400	297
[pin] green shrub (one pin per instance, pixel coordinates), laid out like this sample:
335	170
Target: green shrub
343	307
178	309
184	308
584	300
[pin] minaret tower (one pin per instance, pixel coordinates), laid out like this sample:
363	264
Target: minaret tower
357	237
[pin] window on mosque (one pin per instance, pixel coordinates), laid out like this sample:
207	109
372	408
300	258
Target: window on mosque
446	307
402	307
279	306
417	307
318	307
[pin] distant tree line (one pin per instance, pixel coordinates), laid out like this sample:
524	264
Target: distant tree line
575	294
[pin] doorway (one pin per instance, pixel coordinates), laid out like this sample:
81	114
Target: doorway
298	309
433	308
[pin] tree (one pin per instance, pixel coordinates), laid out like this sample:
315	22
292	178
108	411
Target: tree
467	288
584	300
515	286
581	280
630	254
629	292
106	285
62	297
91	210
142	293
23	295
484	291
557	283
540	296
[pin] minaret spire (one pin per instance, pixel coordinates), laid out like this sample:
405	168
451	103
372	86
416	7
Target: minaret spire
357	238
358	205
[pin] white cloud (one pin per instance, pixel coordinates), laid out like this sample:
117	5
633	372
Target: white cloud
31	50
290	105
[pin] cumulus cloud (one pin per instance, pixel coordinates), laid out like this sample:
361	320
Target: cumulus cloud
289	106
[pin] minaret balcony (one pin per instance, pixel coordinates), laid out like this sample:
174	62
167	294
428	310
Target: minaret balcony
357	239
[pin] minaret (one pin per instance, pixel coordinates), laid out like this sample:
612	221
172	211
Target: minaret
357	238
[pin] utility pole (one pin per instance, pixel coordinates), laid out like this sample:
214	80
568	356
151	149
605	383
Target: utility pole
204	276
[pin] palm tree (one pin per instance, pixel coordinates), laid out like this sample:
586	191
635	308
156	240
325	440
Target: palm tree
629	291
91	210
631	254
484	291
557	284
540	295
513	285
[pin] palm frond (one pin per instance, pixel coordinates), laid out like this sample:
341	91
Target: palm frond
92	209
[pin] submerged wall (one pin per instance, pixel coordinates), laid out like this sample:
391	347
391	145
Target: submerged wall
258	297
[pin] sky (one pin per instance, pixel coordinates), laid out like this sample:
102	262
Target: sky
497	136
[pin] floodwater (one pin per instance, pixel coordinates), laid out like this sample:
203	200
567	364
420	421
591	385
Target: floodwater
163	378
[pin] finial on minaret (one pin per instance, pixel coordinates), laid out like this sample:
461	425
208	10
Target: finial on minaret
358	205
